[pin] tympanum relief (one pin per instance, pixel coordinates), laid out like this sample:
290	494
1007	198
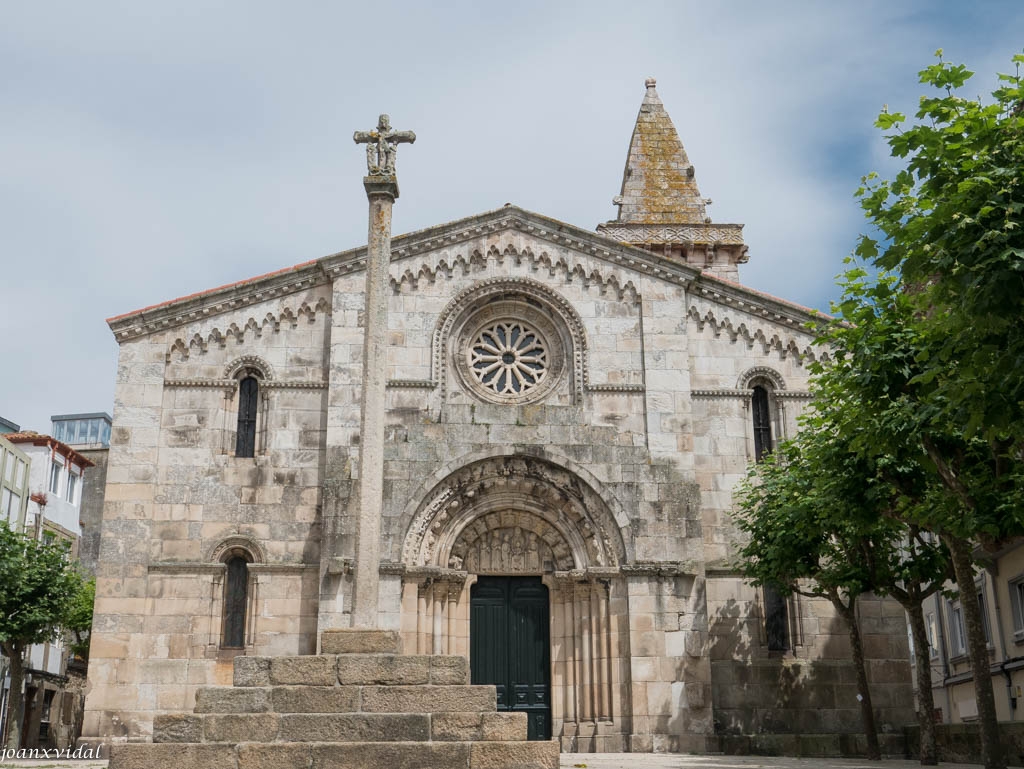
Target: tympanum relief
510	549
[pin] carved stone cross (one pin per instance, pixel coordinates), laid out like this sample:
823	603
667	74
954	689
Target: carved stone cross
381	146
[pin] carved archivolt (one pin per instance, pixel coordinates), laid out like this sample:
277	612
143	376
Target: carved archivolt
249	363
769	340
505	299
747	378
558	266
182	348
513	514
223	549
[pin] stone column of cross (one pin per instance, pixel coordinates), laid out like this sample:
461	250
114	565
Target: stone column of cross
381	190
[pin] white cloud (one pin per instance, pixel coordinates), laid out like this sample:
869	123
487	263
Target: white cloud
152	151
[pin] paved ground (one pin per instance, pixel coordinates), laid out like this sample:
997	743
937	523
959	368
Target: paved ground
662	761
617	761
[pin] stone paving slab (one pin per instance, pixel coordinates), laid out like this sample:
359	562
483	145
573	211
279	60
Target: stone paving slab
619	761
673	761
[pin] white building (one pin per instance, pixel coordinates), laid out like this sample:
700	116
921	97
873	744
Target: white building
54	490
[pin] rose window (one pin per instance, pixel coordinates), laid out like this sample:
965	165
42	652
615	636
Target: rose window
509	358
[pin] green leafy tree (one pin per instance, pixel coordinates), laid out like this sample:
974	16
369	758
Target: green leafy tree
78	622
824	512
929	350
952	225
797	541
37	588
895	418
885	491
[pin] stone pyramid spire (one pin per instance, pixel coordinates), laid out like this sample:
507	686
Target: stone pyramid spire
658	185
660	206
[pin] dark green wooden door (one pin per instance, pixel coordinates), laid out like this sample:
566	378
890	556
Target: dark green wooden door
509	646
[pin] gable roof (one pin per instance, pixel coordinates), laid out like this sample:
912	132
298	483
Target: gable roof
32	438
177	312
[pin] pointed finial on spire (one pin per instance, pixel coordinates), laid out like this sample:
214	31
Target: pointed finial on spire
650	82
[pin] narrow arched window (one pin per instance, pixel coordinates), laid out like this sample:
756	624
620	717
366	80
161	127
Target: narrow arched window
776	619
236	599
248	398
762	423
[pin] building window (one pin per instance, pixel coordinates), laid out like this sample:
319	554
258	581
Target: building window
248	398
55	470
930	628
508	358
1016	587
72	487
776	619
983	606
957	635
10	506
236	599
762	423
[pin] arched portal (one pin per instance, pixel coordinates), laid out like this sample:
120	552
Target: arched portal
553	502
519	519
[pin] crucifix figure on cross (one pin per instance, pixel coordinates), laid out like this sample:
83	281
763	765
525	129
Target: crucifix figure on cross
381	146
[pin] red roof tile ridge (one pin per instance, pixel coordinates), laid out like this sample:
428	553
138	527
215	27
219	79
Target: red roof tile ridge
41	439
209	291
766	295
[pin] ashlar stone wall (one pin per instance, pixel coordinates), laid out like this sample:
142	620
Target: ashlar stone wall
609	476
178	502
623	386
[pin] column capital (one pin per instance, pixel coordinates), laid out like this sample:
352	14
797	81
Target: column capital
381	186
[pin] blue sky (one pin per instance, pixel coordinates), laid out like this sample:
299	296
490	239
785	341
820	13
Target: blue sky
153	150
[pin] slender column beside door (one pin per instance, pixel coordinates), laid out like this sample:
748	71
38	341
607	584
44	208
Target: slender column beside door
381	186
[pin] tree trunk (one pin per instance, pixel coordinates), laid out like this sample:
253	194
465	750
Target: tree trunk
15	702
925	701
867	713
963	566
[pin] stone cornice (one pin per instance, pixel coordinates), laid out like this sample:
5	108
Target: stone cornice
199	306
225	384
756	303
282	568
231	384
187	567
615	388
299	384
321	271
659	569
721	393
656	234
425	384
735	393
712	572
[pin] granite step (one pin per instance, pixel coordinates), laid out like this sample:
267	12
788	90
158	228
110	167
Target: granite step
351	669
360	704
424	698
481	754
360	641
339	727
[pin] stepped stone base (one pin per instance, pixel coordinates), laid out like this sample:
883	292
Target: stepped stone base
358	705
347	755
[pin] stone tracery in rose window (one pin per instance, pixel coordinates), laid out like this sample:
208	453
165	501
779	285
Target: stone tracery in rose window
509	358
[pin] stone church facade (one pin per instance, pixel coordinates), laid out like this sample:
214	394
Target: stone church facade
567	412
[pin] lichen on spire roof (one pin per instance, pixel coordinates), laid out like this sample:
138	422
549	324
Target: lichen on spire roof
658	185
